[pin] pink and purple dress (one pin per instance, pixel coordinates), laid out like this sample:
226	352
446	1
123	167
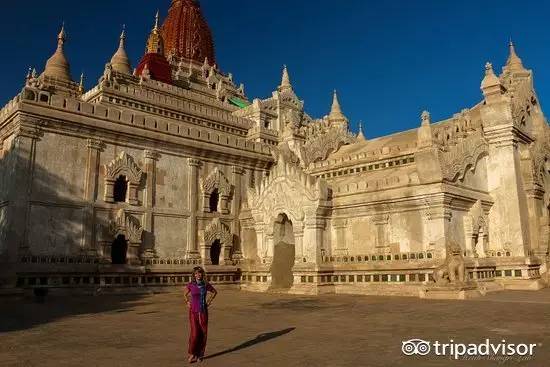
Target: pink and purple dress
198	317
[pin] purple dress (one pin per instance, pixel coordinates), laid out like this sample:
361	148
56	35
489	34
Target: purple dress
198	318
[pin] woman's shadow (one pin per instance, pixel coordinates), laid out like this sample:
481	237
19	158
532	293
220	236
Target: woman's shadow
258	339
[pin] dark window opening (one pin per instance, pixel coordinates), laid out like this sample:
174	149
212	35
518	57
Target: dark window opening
120	189
214	199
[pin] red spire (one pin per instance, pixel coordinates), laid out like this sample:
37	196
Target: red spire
154	60
186	33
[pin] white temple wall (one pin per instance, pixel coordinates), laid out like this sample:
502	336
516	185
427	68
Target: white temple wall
170	236
476	178
359	237
171	190
406	231
59	170
456	230
55	230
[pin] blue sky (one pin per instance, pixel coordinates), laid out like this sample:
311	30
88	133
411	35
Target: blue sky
388	60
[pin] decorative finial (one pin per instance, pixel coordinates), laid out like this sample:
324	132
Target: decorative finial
336	110
120	61
360	135
57	65
122	37
155	43
81	85
285	80
29	73
488	68
426	118
490	85
514	63
157	17
62	36
335	103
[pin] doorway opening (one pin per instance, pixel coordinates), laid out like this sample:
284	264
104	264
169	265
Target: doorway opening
215	251
284	253
119	249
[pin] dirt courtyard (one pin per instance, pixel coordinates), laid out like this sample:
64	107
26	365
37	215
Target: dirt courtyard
250	329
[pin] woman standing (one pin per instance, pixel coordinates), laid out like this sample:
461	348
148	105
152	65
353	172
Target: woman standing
198	312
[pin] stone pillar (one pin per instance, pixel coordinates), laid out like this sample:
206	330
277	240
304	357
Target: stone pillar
439	217
133	193
109	193
193	198
224	199
204	250
205	202
22	169
95	147
260	241
313	237
238	172
470	237
340	226
298	243
509	217
509	214
268	245
151	159
535	203
380	222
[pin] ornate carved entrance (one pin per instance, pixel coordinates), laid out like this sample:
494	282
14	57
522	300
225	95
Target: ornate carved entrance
125	228
217	233
302	198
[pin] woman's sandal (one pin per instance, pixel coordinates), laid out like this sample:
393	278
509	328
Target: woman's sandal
192	359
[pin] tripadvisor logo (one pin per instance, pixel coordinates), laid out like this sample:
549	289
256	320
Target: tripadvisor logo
462	350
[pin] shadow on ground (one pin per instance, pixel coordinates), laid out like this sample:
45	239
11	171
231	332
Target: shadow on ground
20	313
258	339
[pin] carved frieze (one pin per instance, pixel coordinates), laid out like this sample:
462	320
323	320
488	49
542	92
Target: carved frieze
289	189
218	231
323	139
216	180
125	165
127	225
463	156
540	154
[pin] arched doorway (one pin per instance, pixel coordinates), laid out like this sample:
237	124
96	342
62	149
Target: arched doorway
215	251
119	249
283	253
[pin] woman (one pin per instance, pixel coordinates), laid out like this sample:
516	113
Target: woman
198	312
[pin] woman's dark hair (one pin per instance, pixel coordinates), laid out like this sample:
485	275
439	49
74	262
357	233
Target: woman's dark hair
198	269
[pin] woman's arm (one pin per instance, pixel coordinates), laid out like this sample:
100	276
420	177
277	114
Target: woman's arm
187	297
213	294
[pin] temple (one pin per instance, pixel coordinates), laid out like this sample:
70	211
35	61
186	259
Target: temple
169	165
